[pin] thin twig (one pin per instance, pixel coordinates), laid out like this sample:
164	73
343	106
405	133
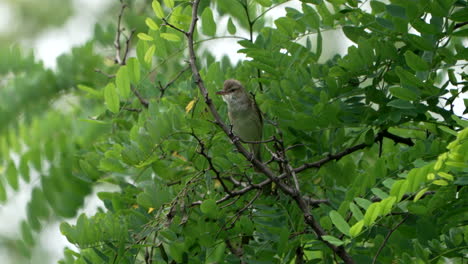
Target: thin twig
117	45
163	88
388	237
142	100
211	166
110	76
166	23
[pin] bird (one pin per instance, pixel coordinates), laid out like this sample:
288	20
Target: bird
244	114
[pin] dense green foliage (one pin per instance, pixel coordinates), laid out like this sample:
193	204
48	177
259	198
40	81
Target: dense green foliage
368	162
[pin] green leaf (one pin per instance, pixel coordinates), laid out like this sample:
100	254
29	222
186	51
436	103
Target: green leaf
170	37
420	42
415	62
339	222
26	234
208	23
216	254
448	130
12	175
408	78
420	194
461	33
385	23
231	27
357	214
122	82
387	205
372	213
396	11
377	6
460	15
440	182
3	195
169	3
111	98
151	24
133	70
24	169
210	208
400	104
354	33
333	240
158	11
399	189
264	3
149	54
379	193
91	91
445	175
363	203
356	229
145	37
403	93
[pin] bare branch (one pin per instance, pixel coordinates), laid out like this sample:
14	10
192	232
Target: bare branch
110	76
163	88
166	23
142	100
211	167
388	237
117	45
339	155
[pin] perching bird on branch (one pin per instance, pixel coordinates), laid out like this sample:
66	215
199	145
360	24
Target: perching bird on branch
244	114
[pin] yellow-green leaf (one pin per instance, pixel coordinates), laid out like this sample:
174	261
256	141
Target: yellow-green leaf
387	205
398	189
372	213
445	175
420	194
151	24
145	37
133	70
190	105
158	11
149	54
91	91
169	3
264	3
170	37
111	98
440	182
356	228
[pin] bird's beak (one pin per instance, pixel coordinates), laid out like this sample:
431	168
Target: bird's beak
222	92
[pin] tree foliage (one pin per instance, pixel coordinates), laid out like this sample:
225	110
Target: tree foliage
365	160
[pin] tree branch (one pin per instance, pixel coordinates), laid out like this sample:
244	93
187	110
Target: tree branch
142	100
166	23
163	88
309	219
210	162
388	237
339	155
117	45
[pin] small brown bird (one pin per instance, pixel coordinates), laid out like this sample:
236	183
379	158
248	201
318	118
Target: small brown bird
244	114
